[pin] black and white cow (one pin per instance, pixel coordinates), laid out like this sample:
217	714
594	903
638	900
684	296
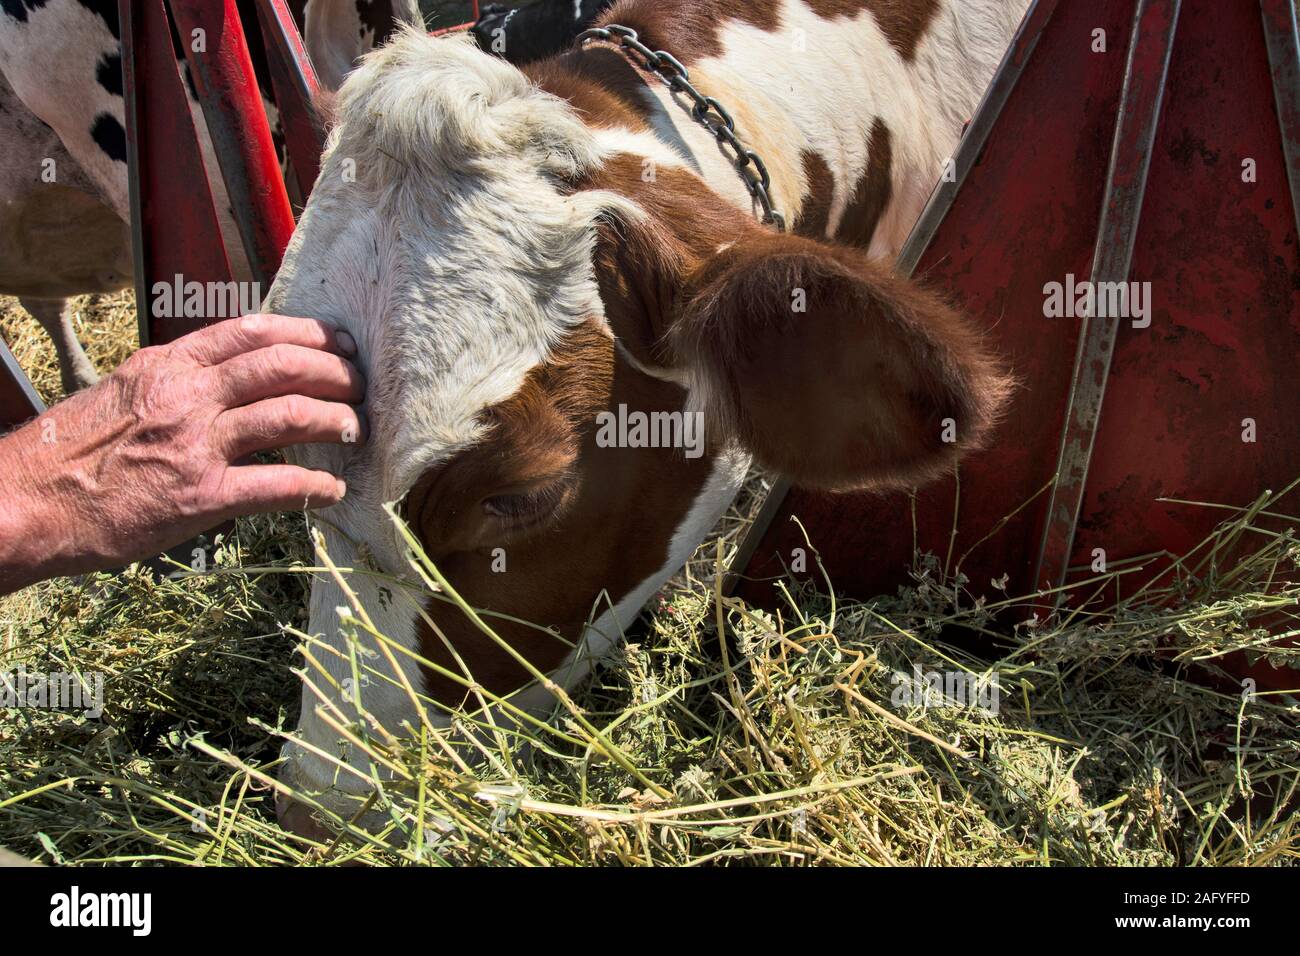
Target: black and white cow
64	206
525	34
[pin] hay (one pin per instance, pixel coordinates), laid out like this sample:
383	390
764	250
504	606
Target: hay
802	738
105	324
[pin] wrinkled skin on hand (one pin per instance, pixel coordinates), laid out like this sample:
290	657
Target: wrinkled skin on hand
159	451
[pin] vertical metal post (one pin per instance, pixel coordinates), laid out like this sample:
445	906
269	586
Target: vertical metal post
293	79
232	105
1154	27
174	227
1283	39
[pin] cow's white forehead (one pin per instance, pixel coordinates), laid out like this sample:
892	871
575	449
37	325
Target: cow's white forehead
437	235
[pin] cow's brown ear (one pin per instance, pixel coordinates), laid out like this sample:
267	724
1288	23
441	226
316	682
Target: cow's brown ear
640	268
832	370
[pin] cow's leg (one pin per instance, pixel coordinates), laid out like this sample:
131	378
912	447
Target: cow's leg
75	367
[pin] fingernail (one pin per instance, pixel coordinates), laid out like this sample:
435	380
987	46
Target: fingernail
346	342
343	488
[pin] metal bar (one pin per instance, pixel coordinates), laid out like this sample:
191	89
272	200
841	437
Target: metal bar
128	23
18	400
174	228
241	136
461	27
1283	39
1154	28
936	209
293	79
175	233
448	31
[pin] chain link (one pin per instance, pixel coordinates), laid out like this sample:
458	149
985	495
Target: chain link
706	111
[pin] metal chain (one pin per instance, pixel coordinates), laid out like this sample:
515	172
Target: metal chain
707	111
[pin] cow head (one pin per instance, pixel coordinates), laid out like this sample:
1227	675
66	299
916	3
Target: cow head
525	300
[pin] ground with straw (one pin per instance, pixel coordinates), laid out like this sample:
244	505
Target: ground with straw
721	733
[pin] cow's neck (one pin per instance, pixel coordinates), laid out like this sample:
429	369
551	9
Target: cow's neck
854	105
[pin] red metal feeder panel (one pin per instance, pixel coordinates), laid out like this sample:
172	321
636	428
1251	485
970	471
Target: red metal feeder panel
1172	158
174	222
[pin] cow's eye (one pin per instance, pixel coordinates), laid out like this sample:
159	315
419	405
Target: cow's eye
528	506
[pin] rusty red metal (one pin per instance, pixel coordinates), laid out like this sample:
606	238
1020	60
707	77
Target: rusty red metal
241	136
294	82
1085	164
1282	37
175	226
176	232
173	221
1135	128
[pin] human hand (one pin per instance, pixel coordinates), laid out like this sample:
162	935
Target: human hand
158	452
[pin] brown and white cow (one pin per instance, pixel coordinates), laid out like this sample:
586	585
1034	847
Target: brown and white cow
521	254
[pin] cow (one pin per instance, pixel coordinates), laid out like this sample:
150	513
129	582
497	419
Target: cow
531	258
524	34
338	32
64	205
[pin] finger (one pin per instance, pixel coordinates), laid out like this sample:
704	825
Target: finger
224	340
281	422
255	489
286	370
